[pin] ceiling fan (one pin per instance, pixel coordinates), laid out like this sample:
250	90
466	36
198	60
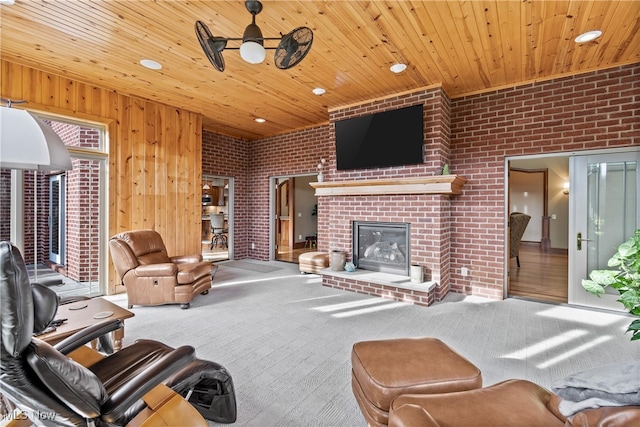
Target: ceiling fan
292	49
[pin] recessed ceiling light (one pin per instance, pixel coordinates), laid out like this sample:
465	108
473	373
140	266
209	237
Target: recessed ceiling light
7	2
150	64
398	68
260	120
588	36
318	91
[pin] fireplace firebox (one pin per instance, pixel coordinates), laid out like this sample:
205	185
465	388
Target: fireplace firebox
382	246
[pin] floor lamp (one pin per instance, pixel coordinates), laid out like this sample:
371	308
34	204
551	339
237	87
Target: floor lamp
28	143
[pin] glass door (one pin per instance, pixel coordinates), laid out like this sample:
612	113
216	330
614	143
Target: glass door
605	212
57	214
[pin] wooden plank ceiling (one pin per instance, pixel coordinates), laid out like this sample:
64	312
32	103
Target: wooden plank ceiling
465	46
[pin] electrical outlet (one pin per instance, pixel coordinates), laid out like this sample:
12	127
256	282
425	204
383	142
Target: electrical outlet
253	246
464	271
299	236
553	216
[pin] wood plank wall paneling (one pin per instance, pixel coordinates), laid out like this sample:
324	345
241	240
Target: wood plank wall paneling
155	154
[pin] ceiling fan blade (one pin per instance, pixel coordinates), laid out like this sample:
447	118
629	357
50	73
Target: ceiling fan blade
211	46
293	47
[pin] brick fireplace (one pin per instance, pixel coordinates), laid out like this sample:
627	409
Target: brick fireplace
416	195
421	203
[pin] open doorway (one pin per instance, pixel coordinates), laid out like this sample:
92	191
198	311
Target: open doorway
217	218
538	260
593	206
58	219
295	219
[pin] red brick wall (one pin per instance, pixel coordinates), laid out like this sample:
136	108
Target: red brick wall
226	156
473	134
588	111
252	164
28	252
5	204
294	153
83	217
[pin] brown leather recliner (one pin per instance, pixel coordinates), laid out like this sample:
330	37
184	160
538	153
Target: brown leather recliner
151	276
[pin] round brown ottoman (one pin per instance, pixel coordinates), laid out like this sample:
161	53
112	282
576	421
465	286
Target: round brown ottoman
385	369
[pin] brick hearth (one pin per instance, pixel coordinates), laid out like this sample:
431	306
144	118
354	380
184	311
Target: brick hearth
388	286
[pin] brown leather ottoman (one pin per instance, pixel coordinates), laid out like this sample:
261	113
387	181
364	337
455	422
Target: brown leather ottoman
385	369
312	262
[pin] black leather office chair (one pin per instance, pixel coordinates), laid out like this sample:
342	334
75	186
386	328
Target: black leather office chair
42	379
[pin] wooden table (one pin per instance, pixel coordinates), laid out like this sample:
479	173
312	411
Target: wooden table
82	314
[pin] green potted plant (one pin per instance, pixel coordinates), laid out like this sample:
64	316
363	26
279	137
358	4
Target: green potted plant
625	279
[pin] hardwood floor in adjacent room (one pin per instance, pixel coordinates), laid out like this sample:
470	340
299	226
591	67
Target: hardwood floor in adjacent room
541	276
287	254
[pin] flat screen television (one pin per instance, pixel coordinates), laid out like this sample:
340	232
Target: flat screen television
389	138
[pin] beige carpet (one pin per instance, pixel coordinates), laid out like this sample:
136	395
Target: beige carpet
287	340
252	266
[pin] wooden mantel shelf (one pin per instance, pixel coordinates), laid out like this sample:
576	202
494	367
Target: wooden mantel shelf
439	184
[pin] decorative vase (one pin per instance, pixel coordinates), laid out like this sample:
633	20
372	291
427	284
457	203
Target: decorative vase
416	274
320	177
336	260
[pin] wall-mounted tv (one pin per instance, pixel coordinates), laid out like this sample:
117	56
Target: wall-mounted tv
389	138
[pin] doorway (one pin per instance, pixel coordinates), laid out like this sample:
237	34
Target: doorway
294	222
57	215
59	220
217	217
578	201
535	187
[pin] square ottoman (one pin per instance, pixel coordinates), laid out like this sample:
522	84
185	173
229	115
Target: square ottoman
312	262
385	369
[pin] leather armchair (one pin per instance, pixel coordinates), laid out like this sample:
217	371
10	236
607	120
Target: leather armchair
151	277
122	389
509	403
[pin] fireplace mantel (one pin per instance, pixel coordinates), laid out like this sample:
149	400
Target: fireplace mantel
439	184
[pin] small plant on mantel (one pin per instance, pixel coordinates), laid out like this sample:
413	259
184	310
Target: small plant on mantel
625	279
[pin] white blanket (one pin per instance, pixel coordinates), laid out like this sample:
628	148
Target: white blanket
611	385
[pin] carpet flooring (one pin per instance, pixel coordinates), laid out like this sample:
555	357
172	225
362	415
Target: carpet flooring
286	339
253	266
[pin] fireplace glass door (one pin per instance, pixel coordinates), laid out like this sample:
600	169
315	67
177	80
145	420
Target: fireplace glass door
382	246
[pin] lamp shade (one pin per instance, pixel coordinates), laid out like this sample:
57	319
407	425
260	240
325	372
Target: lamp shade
252	52
26	142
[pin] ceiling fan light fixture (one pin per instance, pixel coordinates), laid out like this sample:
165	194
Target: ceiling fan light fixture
252	47
588	36
252	52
